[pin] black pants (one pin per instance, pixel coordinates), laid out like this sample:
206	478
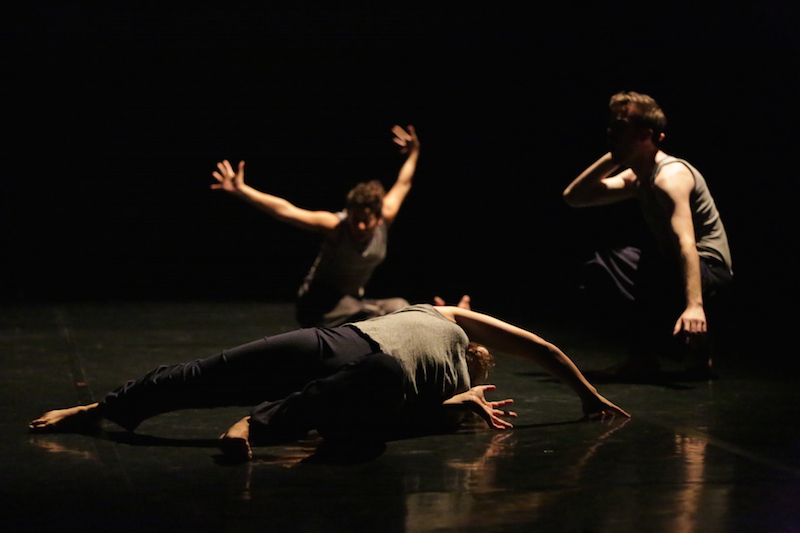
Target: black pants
660	298
333	380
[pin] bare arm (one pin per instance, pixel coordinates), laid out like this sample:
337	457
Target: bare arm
600	184
506	338
397	194
675	183
233	182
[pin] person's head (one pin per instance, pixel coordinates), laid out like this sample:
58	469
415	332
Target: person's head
364	206
636	123
479	362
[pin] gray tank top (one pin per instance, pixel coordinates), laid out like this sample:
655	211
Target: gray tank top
344	265
712	241
430	348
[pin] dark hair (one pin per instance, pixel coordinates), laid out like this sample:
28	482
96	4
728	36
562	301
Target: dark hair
368	195
642	110
478	363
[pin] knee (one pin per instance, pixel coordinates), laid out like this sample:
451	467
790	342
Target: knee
366	403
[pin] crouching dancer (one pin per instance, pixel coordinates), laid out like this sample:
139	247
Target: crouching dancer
415	371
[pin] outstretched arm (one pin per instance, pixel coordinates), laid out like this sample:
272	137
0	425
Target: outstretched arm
506	338
232	181
601	183
397	194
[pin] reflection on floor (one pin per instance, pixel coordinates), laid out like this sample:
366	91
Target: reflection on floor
695	457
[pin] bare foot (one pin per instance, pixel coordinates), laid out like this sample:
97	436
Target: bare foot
235	443
438	301
74	419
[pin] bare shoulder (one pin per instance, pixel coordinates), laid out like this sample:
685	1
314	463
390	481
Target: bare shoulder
325	219
674	177
327	223
464	317
472	320
447	311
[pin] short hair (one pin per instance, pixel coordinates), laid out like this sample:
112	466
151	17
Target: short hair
367	195
479	362
646	113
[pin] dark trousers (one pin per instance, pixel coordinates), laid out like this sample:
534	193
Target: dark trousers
660	298
333	380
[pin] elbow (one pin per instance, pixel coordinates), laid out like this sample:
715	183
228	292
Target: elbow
553	350
546	348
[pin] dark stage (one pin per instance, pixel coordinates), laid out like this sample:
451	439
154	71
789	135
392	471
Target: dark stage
115	255
695	456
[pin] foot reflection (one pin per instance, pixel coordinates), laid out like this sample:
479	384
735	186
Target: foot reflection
51	446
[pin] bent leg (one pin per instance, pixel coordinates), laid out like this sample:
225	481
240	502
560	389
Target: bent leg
717	283
361	401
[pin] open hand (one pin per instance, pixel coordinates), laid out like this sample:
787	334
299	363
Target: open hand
406	139
490	411
228	179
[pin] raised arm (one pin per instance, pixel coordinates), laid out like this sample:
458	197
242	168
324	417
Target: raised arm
397	194
232	181
503	337
600	184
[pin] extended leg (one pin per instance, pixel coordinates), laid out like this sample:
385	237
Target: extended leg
246	375
268	368
74	419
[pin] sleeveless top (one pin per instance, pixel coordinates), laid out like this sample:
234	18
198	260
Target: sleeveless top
346	266
430	348
710	236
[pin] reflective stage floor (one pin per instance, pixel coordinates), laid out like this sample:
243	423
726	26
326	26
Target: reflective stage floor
718	456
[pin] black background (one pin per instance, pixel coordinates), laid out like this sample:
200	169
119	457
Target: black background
115	117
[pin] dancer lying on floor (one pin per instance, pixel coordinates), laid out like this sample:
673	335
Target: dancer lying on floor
415	371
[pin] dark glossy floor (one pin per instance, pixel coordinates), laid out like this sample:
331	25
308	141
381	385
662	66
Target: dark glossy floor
720	456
